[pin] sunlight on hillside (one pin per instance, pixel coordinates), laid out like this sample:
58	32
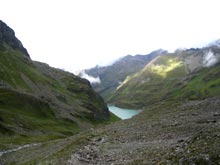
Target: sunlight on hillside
124	82
162	70
159	69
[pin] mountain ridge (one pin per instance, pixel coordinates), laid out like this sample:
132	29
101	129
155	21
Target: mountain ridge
165	74
111	76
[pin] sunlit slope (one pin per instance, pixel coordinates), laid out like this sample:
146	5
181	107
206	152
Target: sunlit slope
188	74
111	76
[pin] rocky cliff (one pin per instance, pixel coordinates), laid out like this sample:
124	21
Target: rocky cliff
8	39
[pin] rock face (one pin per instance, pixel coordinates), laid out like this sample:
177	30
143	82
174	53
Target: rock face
7	38
112	76
38	100
196	59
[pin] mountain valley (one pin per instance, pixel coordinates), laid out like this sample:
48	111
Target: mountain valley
49	116
38	102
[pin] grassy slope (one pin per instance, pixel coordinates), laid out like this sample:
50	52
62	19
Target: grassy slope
150	84
40	103
166	78
203	85
24	118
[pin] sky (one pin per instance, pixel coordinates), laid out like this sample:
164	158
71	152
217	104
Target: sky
79	34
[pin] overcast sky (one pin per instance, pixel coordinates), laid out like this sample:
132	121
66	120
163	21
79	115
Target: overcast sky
78	34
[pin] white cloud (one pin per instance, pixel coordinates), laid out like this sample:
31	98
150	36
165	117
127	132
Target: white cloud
209	59
92	80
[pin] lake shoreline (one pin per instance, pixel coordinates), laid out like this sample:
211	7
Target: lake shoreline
122	112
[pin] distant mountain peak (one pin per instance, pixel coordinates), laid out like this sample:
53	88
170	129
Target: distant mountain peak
8	39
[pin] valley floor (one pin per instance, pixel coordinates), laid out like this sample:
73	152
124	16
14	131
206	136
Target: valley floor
166	133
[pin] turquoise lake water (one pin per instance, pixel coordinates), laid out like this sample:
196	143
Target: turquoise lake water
123	113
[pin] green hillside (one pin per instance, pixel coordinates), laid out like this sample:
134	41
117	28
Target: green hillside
38	102
180	75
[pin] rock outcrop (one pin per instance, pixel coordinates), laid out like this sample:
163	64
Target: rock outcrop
8	39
